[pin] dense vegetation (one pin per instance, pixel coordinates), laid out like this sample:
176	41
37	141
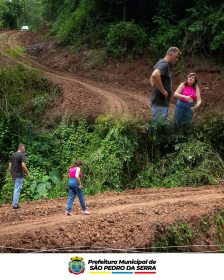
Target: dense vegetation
118	154
182	235
16	13
125	25
122	27
24	98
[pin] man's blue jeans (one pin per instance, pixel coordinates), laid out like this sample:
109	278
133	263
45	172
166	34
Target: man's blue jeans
160	115
17	189
73	191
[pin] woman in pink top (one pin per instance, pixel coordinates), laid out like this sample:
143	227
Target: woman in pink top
75	188
189	99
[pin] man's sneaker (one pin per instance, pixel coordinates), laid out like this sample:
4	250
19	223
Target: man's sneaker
16	207
85	212
67	213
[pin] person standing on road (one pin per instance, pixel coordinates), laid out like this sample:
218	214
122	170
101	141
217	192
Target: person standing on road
17	168
161	83
189	99
75	188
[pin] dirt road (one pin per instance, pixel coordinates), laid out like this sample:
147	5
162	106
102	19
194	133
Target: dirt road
80	97
119	221
114	89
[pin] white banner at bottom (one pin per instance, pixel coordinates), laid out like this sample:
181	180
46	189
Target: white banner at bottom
150	266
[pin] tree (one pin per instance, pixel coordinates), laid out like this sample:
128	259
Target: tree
13	13
3	11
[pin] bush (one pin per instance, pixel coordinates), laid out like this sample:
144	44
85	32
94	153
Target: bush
24	94
76	24
193	163
125	38
164	35
107	162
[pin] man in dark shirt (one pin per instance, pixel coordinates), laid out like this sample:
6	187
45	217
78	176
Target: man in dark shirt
17	167
162	86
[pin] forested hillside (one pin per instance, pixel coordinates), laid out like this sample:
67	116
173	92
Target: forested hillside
124	26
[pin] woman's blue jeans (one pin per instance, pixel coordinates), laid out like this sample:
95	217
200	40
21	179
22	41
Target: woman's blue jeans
183	114
73	191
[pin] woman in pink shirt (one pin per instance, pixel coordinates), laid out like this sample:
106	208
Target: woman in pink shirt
189	99
75	188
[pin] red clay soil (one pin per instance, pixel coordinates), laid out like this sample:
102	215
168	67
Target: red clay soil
118	221
81	96
118	88
133	76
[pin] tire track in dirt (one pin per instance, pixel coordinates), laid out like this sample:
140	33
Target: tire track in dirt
118	220
127	95
117	102
202	198
127	197
114	104
98	86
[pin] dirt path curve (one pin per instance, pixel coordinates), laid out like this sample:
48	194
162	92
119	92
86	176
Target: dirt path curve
80	97
118	220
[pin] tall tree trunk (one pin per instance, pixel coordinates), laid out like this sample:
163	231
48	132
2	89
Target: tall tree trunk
124	10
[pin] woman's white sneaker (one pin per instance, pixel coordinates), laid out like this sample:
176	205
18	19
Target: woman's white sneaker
67	213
